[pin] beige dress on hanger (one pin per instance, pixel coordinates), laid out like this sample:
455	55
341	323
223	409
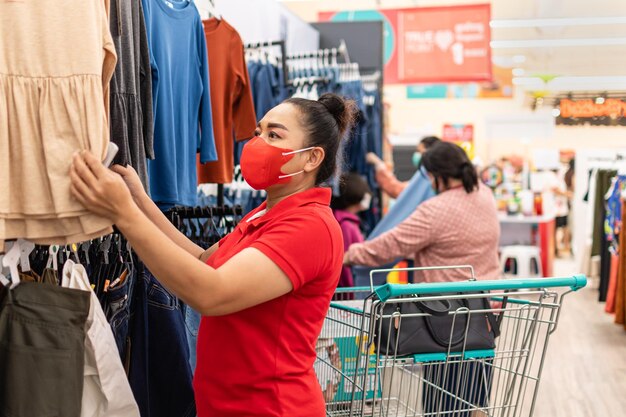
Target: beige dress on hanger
56	60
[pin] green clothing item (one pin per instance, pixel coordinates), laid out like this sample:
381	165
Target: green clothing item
49	276
42	350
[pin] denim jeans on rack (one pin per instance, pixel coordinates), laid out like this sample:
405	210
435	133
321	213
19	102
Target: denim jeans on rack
160	375
192	324
117	309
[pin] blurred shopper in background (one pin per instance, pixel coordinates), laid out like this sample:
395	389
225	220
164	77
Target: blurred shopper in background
354	197
385	177
459	226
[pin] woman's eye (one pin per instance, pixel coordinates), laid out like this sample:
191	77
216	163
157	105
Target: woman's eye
273	135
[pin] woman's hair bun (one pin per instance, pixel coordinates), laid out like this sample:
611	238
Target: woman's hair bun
343	110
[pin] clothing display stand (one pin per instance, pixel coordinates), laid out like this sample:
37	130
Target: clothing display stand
283	53
204	212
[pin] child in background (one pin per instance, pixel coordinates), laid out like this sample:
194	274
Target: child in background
355	196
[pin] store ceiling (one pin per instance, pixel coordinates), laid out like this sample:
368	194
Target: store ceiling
584	59
584	24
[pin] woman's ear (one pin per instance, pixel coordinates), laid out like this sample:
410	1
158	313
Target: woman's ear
315	159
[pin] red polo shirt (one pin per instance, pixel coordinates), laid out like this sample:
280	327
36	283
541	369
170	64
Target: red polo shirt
259	361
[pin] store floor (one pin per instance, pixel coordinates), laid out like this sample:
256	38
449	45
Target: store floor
585	368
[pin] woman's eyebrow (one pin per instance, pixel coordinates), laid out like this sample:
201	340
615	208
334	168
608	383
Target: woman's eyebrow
277	126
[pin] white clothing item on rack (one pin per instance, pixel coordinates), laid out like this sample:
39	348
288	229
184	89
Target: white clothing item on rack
106	391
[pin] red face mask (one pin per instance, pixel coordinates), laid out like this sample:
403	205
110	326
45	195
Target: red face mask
261	164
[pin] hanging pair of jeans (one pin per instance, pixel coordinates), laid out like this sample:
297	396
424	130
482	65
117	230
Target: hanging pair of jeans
192	325
160	375
42	349
117	307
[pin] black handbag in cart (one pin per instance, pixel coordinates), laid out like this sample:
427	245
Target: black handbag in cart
437	331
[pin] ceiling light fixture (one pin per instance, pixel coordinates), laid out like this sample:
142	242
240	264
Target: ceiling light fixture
556	43
557	22
588	83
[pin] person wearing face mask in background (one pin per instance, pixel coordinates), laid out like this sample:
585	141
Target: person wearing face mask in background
354	196
458	226
264	289
409	195
385	177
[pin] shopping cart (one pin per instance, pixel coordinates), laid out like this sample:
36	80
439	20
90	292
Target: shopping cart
362	373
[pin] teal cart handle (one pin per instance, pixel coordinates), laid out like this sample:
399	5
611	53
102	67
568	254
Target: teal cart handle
388	291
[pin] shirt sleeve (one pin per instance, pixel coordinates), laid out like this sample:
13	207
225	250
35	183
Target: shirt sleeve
146	87
206	143
388	182
409	237
244	117
108	64
301	247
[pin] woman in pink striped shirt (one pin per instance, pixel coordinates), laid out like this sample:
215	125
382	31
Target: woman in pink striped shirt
459	226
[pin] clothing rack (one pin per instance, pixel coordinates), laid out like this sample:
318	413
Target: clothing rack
374	77
106	257
204	212
617	162
283	54
320	53
200	224
309	80
618	158
325	58
334	53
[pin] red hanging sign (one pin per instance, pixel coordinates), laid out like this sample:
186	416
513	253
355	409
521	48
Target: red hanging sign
462	135
458	133
437	44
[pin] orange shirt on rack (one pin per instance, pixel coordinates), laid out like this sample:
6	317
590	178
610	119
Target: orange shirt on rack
231	99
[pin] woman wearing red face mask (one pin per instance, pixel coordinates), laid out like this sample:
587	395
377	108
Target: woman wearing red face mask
264	289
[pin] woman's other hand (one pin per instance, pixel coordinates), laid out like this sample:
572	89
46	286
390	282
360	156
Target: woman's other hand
373	159
346	259
131	178
99	189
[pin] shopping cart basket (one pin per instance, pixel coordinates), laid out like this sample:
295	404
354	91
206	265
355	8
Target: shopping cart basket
360	377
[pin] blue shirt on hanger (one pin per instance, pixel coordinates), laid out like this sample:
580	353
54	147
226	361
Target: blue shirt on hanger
262	90
181	100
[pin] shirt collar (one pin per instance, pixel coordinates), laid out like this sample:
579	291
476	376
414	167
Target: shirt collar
317	195
256	215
